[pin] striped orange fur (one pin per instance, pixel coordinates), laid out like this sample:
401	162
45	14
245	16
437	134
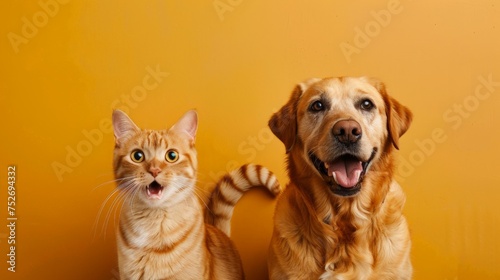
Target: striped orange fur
231	187
162	232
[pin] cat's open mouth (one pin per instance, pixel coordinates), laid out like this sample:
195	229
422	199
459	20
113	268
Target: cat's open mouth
154	190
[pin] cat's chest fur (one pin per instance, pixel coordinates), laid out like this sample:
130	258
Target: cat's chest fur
151	241
161	228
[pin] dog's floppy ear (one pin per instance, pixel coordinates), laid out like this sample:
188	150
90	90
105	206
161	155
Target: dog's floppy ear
284	122
399	117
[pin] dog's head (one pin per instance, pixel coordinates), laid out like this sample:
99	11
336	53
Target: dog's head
339	127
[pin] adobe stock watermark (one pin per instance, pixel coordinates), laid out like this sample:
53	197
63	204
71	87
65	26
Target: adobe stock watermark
364	35
453	117
249	148
31	26
76	153
223	6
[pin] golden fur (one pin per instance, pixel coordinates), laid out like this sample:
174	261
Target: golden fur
323	230
162	233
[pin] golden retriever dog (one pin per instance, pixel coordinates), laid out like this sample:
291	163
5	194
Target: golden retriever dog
340	216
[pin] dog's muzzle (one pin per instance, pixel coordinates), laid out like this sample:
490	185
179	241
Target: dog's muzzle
344	174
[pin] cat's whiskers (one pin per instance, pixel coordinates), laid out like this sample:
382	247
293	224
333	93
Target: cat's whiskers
120	199
103	205
201	199
112	212
132	199
111	181
121	191
203	183
105	202
131	192
206	193
99	213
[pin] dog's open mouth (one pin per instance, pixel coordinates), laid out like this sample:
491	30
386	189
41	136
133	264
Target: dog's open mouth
344	174
154	190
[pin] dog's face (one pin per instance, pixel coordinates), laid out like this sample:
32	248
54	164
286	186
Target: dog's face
339	127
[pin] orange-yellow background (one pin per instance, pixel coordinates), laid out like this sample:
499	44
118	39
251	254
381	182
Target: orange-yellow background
62	80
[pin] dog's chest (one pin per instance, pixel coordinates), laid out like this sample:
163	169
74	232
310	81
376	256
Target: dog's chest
359	247
349	248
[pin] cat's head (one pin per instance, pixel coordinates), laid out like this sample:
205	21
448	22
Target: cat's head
155	167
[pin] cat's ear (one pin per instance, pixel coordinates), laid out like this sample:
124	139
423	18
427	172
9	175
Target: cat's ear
188	123
123	126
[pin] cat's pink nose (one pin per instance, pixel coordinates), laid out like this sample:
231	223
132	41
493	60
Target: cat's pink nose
154	171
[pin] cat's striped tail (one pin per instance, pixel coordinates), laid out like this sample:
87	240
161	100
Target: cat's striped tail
230	189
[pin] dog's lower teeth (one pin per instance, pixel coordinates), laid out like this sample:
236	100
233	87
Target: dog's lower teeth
335	177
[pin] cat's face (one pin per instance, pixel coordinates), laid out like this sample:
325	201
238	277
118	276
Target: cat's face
155	167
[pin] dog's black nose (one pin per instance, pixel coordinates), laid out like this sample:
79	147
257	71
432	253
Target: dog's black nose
347	131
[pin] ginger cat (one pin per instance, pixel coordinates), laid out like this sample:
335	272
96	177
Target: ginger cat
162	231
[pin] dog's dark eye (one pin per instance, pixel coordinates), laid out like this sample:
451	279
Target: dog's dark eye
317	106
367	104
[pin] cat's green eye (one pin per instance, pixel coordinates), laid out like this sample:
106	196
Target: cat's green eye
172	156
137	156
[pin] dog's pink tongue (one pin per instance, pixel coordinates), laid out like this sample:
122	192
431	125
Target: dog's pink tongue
346	172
